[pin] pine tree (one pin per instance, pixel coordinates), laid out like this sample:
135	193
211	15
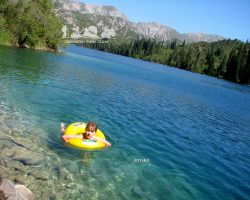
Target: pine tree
210	58
245	69
242	56
232	66
222	67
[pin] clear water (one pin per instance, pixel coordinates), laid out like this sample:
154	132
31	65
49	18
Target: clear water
174	134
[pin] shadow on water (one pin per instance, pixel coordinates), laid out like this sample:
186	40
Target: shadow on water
26	64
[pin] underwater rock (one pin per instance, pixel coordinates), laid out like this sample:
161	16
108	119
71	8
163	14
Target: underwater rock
137	192
38	174
2	144
6	152
4	171
16	166
24	192
4	129
18	178
5	136
65	175
119	178
25	156
12	191
27	144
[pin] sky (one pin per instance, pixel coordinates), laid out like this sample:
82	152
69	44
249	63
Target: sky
227	18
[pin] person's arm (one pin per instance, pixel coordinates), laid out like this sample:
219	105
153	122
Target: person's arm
102	140
68	137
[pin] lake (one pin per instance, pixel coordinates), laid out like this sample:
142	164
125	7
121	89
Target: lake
174	134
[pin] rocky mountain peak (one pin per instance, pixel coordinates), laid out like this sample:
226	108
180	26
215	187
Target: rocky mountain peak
155	30
81	19
84	8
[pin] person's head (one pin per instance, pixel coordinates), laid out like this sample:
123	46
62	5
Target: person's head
90	129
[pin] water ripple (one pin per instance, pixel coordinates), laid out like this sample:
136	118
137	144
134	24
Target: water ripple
174	134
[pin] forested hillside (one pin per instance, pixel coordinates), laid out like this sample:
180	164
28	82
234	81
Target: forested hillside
227	59
27	23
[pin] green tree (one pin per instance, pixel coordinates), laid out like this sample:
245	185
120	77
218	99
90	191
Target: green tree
210	58
222	68
4	33
32	23
244	70
227	59
246	76
232	66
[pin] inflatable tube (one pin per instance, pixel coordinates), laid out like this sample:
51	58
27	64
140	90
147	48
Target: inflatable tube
79	128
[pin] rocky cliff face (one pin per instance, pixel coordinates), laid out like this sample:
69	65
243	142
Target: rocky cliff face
96	22
196	37
91	21
90	9
155	30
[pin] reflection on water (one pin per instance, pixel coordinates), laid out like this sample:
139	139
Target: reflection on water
192	129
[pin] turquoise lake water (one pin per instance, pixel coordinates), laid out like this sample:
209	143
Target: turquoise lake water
174	134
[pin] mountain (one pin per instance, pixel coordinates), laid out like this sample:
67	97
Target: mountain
155	30
91	21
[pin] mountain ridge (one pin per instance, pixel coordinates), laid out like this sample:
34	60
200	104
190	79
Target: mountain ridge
92	21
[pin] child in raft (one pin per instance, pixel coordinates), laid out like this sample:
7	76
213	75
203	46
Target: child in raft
89	133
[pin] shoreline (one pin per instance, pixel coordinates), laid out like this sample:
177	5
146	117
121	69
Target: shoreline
40	48
24	162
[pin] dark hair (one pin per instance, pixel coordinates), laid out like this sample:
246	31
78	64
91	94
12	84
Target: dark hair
91	126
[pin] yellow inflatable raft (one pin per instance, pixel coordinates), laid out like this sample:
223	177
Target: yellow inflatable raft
79	128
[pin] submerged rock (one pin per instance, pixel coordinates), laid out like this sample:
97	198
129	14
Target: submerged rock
12	191
64	175
27	144
24	192
27	157
38	174
3	144
6	152
4	129
137	192
4	136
